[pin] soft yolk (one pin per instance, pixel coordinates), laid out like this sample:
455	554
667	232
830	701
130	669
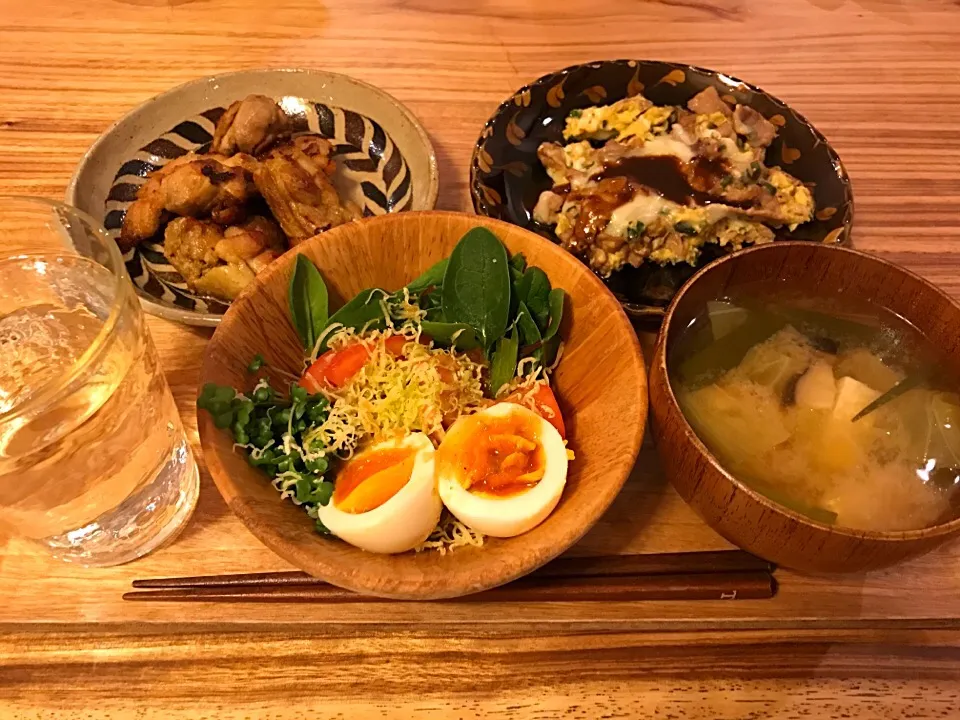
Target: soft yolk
496	456
372	478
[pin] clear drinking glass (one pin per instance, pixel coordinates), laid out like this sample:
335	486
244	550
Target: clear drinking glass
94	463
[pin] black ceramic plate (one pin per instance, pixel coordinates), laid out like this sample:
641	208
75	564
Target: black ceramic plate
506	178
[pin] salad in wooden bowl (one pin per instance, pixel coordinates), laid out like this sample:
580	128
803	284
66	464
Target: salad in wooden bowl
465	416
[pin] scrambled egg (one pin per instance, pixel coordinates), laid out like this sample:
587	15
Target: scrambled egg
579	156
794	197
707	124
632	120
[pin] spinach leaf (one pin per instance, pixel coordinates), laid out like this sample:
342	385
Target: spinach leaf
476	285
534	291
443	332
550	349
556	313
364	310
308	301
503	368
529	332
518	262
433	277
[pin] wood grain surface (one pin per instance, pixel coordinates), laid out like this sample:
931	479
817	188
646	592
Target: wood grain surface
877	77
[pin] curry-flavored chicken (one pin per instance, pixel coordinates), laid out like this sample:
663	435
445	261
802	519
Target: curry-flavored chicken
225	215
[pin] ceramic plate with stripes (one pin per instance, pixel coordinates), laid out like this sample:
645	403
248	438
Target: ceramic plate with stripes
371	171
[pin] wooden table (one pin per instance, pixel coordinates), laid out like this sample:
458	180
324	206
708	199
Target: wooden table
879	78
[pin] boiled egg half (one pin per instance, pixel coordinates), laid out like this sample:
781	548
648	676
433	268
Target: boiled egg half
501	471
385	498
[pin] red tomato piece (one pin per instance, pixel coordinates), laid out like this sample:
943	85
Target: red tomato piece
544	404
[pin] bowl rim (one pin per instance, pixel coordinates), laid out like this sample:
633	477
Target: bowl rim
207	319
660	366
288	552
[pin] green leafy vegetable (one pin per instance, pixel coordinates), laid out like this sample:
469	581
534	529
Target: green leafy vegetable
503	367
533	290
556	313
518	262
727	352
308	301
362	311
575	113
635	230
476	285
433	277
443	334
255	364
529	333
685	228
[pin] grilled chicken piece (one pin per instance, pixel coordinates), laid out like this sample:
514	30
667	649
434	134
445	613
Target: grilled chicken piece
293	179
190	246
217	261
190	186
250	126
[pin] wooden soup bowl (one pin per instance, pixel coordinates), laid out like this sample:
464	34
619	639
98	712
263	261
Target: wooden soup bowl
742	515
600	382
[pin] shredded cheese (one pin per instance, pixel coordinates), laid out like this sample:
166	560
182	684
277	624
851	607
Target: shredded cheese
449	535
393	395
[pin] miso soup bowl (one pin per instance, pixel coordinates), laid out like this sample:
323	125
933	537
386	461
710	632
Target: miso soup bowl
740	514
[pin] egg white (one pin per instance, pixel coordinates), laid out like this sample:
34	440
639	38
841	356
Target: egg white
514	514
402	522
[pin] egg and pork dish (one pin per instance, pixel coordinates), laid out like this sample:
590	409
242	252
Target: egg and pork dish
638	182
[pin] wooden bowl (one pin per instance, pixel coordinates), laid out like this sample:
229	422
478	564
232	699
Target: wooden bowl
601	383
742	515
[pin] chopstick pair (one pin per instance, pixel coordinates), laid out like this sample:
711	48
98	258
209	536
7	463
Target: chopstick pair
720	575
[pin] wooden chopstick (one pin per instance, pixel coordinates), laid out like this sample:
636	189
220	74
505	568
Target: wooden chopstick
697	586
721	561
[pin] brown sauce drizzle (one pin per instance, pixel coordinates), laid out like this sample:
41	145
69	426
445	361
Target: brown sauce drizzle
664	174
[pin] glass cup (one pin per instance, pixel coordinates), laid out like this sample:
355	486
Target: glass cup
94	463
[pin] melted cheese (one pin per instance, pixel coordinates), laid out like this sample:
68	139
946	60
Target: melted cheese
643	208
665	145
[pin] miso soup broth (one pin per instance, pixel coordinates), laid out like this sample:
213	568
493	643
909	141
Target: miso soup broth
832	407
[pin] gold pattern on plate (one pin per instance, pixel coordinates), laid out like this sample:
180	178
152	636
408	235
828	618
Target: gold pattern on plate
596	94
674	77
834	237
555	94
522	99
515	133
490	195
778	120
789	154
634	87
517	168
826	213
484	160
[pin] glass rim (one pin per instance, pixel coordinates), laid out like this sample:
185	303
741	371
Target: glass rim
52	390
